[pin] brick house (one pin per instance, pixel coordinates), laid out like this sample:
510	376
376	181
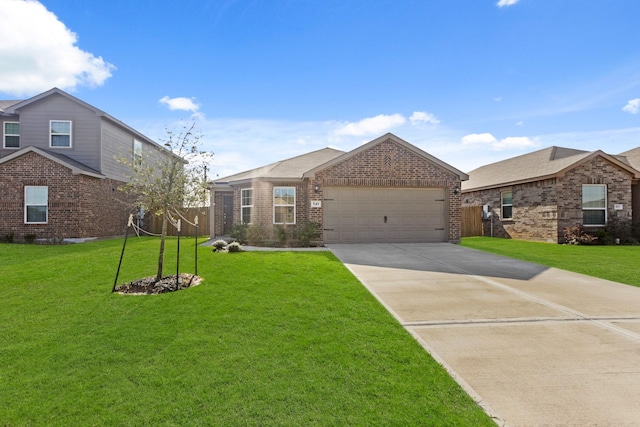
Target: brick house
537	195
58	169
384	191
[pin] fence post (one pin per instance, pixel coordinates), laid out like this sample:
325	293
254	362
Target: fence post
126	234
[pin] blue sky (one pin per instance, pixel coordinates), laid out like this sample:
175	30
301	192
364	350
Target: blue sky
469	81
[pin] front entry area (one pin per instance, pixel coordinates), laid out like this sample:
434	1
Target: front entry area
381	215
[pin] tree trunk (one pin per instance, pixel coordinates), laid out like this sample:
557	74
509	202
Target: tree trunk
162	239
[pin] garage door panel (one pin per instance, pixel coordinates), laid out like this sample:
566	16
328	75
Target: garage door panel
384	215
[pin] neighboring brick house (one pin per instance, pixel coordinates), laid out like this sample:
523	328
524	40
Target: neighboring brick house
58	169
537	195
384	191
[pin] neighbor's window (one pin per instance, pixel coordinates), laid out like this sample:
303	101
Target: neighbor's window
594	204
284	205
11	135
246	201
60	133
506	202
35	204
137	153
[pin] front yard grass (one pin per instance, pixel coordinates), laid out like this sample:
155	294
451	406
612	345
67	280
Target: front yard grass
269	338
616	263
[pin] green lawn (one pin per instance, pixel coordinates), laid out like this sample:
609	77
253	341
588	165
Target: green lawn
617	263
269	338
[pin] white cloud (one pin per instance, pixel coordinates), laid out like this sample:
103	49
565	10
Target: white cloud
520	123
632	107
180	103
490	141
372	125
423	117
39	52
503	3
478	139
514	143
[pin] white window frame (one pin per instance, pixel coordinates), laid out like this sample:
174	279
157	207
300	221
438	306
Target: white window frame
137	153
603	208
27	204
284	205
503	204
51	134
243	206
5	135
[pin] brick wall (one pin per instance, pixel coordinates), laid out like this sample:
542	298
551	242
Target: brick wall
388	164
79	206
543	209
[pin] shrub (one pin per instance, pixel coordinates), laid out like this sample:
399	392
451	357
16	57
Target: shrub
219	245
281	234
29	238
239	232
255	234
234	247
307	232
576	235
618	229
8	238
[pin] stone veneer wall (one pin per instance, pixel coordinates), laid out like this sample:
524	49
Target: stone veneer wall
79	206
388	164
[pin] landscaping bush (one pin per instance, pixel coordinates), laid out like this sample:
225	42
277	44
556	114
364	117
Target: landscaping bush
256	235
234	247
8	238
307	232
281	234
219	245
577	235
239	232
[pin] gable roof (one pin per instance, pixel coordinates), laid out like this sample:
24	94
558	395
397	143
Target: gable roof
76	167
13	107
542	164
632	157
6	104
289	169
410	147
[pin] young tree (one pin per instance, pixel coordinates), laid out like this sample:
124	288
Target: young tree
165	181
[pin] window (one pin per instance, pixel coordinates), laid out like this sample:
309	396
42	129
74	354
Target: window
35	204
506	202
284	205
594	204
137	153
60	133
246	202
11	135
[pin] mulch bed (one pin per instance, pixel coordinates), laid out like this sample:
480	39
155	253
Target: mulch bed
149	285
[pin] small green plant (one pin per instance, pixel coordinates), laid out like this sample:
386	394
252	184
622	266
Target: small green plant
239	232
234	247
219	245
8	238
29	238
255	235
307	232
281	234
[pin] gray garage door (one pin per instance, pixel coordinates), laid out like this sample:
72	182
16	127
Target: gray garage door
359	215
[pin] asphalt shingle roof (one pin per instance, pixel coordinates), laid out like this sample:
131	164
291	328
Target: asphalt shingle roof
293	168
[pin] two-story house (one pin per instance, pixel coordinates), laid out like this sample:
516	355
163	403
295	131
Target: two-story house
60	168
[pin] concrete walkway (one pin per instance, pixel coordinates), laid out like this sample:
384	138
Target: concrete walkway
533	345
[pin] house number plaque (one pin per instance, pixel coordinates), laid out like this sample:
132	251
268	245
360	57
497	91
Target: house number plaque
316	203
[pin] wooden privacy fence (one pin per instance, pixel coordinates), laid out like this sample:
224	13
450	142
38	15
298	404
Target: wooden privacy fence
154	223
472	221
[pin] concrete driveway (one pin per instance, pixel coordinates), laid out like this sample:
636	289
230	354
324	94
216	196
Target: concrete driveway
533	345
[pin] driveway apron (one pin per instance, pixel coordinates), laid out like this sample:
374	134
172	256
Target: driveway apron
533	345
